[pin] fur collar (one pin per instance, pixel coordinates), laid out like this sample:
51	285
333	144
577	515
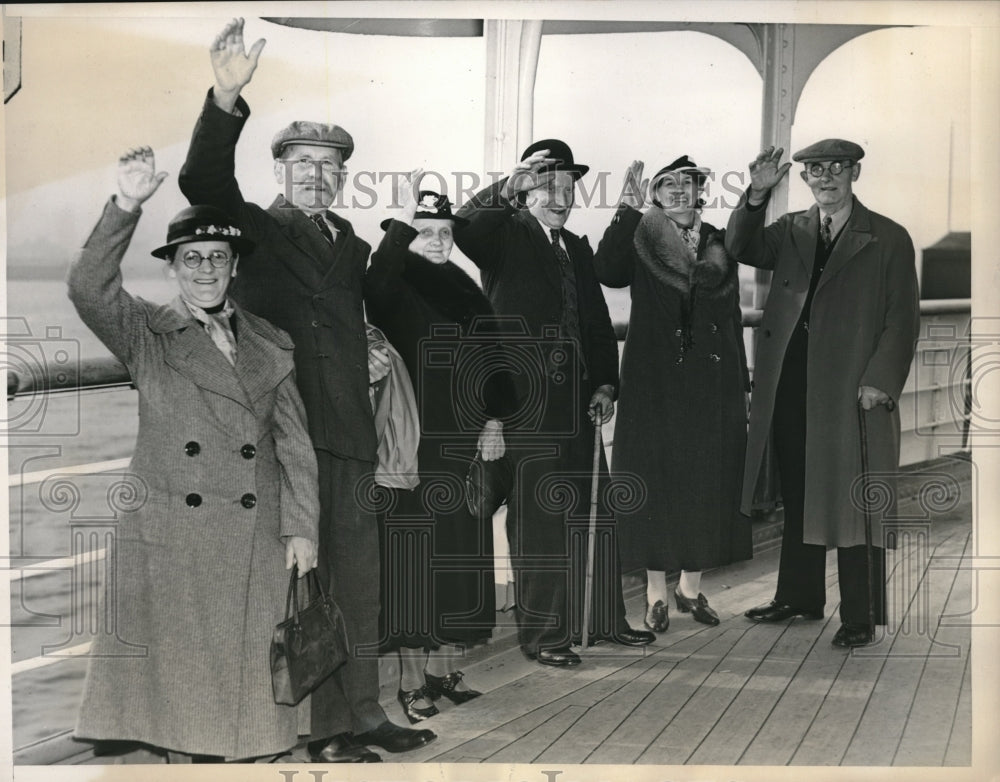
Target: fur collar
447	288
712	274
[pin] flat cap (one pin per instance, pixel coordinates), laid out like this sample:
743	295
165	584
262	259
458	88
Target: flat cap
317	134
829	149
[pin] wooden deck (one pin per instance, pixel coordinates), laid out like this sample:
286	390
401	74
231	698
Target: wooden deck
740	693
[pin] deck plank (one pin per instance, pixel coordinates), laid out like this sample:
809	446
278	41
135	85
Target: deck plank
960	740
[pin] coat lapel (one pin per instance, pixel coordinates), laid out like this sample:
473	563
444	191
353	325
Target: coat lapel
543	248
193	354
306	265
261	363
805	233
855	235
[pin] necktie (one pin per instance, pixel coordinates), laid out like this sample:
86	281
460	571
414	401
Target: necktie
321	223
825	233
218	327
561	255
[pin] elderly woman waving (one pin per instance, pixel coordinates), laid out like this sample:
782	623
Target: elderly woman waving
226	493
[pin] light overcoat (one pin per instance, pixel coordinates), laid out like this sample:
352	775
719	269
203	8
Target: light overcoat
863	323
223	470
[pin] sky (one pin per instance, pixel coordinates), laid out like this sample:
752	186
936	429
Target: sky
94	86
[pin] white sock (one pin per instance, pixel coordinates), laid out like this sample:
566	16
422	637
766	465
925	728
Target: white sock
690	583
656	586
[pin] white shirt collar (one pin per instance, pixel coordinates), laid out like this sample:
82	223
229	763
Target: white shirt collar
839	218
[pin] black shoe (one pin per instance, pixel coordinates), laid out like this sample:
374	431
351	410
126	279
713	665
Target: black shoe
779	612
413	713
562	657
393	738
853	635
630	637
342	748
697	607
657	618
436	686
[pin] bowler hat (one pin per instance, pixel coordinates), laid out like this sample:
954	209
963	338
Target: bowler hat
561	154
202	224
315	134
829	149
431	206
683	164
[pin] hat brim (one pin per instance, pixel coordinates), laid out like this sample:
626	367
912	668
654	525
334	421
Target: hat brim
240	245
699	172
576	170
384	225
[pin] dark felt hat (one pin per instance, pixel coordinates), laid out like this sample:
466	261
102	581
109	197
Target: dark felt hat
829	149
560	152
683	164
431	206
316	134
202	224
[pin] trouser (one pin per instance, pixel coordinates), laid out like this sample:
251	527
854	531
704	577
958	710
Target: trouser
349	563
802	568
547	523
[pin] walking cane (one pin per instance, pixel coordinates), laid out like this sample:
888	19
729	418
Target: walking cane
588	590
862	426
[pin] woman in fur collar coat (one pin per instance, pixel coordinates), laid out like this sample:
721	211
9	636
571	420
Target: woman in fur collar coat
681	423
437	558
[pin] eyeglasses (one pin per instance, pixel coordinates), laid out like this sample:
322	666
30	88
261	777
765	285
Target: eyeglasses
218	258
328	166
818	169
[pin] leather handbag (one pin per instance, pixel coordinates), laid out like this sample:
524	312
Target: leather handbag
309	645
488	485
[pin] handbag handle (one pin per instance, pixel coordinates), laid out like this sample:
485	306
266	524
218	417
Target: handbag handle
292	598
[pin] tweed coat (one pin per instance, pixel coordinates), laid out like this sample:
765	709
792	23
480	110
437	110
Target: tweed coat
298	282
863	323
223	470
681	422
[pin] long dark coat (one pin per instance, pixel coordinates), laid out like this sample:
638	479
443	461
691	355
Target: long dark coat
438	320
552	437
863	324
298	282
680	431
222	471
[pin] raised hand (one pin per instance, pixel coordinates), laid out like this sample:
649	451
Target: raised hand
137	178
634	188
232	65
766	171
408	195
525	174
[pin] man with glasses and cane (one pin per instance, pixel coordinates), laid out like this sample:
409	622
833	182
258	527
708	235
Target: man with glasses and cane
833	351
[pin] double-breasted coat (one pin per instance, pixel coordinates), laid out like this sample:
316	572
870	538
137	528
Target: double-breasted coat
552	438
222	471
311	289
863	324
680	429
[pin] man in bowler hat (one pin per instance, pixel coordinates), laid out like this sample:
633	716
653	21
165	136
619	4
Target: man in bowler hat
838	331
305	276
536	270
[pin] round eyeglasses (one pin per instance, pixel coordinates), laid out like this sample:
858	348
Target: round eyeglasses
218	258
818	169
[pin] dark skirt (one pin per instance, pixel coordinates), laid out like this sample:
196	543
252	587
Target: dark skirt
437	559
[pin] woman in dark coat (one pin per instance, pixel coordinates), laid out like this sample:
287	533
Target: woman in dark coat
438	591
225	490
681	425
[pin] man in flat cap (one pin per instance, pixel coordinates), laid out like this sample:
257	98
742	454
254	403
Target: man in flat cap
305	276
536	270
838	331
